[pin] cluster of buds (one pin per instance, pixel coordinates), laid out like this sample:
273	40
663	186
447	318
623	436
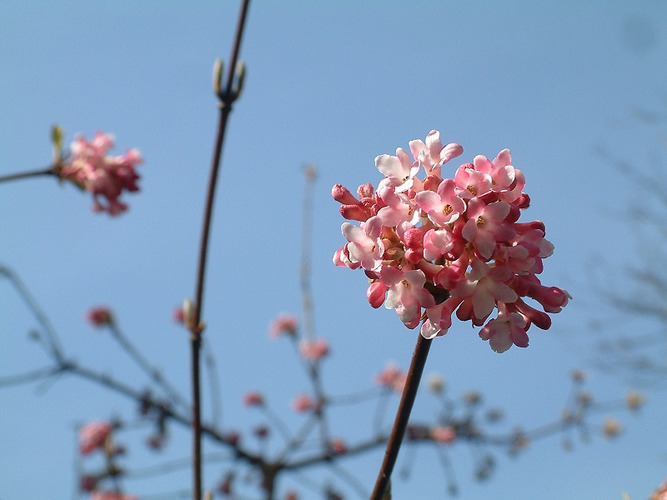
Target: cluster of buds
106	177
431	246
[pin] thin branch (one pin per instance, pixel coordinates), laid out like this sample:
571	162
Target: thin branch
28	174
402	416
53	344
29	377
143	363
195	322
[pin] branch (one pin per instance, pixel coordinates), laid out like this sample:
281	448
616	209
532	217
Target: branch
195	322
402	416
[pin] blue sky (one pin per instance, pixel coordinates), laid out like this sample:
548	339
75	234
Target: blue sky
335	84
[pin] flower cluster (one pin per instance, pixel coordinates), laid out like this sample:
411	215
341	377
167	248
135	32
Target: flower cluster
104	176
433	246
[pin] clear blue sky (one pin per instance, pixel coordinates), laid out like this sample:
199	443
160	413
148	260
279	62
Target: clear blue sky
333	83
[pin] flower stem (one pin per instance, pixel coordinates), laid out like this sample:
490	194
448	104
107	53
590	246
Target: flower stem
402	416
195	322
29	173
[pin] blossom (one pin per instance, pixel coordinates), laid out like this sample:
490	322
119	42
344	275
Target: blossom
106	177
111	495
437	245
443	434
313	350
303	403
393	377
338	446
283	325
93	436
100	316
253	399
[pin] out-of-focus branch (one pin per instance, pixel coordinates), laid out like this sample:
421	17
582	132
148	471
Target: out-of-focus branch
28	174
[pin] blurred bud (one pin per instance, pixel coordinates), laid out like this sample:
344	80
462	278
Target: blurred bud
187	312
634	400
218	68
519	442
240	78
253	399
472	398
57	134
578	376
285	324
436	383
99	316
261	432
584	398
310	172
494	415
338	446
442	434
611	427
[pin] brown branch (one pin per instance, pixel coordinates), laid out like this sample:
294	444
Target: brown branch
28	174
402	416
195	322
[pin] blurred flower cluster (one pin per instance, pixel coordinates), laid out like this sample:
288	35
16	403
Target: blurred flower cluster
434	245
106	177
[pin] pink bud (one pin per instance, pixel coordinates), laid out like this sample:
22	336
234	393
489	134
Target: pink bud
375	294
365	191
342	195
353	212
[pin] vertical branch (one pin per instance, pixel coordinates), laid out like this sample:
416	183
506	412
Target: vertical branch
306	297
306	242
194	321
402	416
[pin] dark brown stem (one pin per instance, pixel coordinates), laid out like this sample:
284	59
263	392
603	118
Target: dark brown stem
402	416
195	322
26	175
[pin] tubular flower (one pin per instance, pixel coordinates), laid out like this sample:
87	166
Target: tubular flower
106	177
434	246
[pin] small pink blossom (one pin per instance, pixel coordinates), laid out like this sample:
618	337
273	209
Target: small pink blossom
431	153
283	325
444	206
104	176
486	226
338	446
400	168
364	243
443	434
111	495
99	316
313	350
303	403
93	436
407	294
253	399
391	376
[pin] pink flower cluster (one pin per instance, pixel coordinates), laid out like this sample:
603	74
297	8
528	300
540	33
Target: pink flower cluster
104	176
433	246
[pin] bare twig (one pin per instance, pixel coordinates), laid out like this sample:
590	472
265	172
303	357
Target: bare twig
30	173
195	322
